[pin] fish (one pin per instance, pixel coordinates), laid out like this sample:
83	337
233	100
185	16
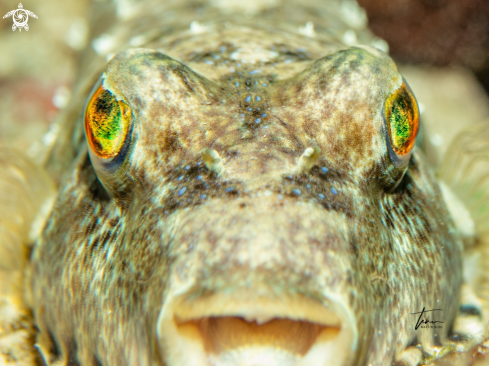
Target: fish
238	189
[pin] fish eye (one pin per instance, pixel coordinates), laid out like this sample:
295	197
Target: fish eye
107	123
402	118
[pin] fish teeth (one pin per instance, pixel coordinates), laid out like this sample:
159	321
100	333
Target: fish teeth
259	319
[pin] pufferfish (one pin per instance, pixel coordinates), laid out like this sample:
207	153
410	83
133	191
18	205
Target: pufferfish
250	193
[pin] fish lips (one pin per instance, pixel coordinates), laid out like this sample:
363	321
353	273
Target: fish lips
248	328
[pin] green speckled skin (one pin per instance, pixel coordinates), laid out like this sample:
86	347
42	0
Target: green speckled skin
116	245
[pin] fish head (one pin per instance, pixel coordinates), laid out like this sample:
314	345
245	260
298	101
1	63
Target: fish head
265	220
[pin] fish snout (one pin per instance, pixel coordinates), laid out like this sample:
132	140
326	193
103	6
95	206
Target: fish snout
245	290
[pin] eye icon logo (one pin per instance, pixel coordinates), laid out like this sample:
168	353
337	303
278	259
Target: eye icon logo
20	16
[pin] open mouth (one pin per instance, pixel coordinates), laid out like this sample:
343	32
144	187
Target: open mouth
221	331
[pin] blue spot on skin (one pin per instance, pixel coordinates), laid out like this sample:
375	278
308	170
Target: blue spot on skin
308	186
256	82
209	62
324	169
216	57
257	98
239	93
264	115
333	190
199	177
238	65
182	191
187	167
301	50
203	197
258	120
248	99
264	84
236	84
320	195
250	109
253	72
288	61
297	192
229	189
222	48
180	178
266	126
258	109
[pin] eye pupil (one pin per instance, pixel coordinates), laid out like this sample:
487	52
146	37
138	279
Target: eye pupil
107	117
107	123
400	123
403	120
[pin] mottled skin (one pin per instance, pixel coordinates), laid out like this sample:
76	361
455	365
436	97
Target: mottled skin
157	219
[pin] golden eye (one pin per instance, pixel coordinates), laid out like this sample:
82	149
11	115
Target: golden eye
107	122
402	118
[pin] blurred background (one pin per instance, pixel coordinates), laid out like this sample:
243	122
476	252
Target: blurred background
435	32
37	70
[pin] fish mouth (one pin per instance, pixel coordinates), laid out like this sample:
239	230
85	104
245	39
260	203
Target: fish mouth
217	330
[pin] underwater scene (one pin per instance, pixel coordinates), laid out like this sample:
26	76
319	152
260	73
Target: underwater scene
260	183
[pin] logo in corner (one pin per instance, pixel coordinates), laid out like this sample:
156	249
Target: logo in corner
21	17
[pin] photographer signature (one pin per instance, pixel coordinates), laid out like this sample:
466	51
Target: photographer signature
425	321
